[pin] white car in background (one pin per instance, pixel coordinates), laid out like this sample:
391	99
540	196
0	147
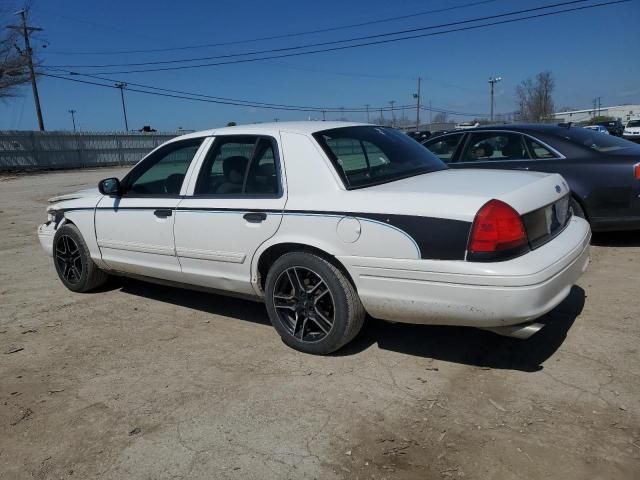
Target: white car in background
632	130
597	128
325	222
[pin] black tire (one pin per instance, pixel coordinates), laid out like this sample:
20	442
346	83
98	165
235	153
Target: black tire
321	337
577	208
73	262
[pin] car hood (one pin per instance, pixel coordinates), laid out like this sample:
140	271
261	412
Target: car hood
86	193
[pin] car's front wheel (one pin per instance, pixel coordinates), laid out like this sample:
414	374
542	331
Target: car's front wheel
73	262
312	304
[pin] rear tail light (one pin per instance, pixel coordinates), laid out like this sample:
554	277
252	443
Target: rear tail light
636	171
498	233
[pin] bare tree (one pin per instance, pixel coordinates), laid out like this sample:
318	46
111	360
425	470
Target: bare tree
13	65
440	117
534	97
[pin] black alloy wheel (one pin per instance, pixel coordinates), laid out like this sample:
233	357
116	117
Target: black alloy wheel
304	304
69	259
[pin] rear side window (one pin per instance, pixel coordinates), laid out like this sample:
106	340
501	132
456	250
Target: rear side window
538	150
365	156
445	147
239	165
494	146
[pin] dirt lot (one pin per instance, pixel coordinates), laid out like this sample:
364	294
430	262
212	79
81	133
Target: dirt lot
142	381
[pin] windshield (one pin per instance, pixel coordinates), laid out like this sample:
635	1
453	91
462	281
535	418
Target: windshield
365	156
634	123
594	140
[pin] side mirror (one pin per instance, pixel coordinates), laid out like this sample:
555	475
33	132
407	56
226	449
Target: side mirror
109	186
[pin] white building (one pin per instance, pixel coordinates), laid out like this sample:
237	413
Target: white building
622	112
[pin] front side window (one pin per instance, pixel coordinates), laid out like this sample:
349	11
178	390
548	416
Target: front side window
239	165
365	156
163	172
444	147
494	146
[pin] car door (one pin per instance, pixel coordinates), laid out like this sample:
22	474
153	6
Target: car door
234	204
134	230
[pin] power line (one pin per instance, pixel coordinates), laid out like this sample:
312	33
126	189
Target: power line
345	47
273	37
204	98
322	44
244	103
253	103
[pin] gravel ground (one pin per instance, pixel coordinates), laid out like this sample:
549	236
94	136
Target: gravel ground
143	381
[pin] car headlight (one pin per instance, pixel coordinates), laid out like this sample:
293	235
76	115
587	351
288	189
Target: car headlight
54	216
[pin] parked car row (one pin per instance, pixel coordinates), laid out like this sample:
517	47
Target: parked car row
613	127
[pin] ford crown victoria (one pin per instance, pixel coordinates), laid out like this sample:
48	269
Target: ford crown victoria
326	222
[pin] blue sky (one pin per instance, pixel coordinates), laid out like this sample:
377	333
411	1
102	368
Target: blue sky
589	53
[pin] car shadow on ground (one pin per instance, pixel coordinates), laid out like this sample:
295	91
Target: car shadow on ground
226	306
616	239
475	347
453	344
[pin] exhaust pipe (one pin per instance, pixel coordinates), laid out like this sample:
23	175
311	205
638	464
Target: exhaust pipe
521	331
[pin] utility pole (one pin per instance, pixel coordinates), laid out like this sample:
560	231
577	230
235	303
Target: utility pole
492	82
367	107
73	118
417	97
323	115
393	116
28	54
122	86
599	106
430	113
381	117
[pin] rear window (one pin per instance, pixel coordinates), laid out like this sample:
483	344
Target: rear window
365	156
594	140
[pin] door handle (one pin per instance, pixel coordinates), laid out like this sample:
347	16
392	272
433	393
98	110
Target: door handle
163	213
255	217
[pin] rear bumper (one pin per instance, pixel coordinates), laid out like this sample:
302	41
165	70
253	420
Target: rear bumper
473	294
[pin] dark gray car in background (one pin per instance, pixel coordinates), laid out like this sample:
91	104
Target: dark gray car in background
602	171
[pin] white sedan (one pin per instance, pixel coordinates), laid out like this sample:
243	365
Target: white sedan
326	222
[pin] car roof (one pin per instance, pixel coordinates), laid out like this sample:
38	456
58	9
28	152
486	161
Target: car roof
272	128
548	128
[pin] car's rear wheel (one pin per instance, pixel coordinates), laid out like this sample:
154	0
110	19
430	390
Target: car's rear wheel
312	304
73	262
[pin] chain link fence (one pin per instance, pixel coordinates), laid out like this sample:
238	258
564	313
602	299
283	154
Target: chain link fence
27	150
